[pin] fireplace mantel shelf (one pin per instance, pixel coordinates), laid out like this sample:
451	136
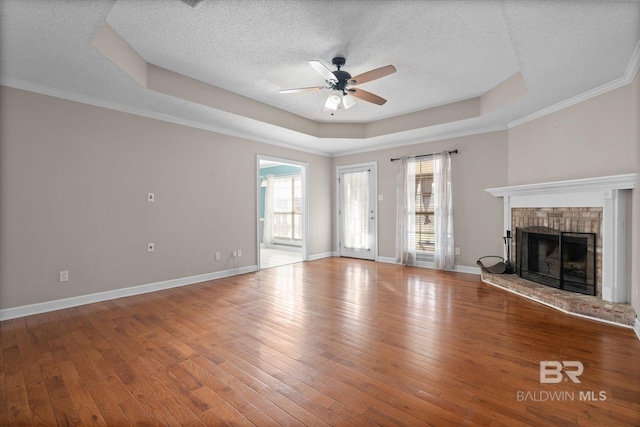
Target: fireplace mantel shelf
604	183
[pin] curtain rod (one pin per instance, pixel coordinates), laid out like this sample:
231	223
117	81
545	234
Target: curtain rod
427	155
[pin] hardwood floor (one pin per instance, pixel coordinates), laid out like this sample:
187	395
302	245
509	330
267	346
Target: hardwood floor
329	342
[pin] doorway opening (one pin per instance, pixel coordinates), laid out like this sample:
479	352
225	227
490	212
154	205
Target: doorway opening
282	212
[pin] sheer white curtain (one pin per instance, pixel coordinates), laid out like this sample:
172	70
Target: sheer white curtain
356	210
406	212
269	218
443	207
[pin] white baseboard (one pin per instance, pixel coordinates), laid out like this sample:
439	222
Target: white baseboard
284	247
456	268
315	257
43	307
467	269
636	326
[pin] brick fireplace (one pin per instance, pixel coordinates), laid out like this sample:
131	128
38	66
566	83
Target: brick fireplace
594	205
555	221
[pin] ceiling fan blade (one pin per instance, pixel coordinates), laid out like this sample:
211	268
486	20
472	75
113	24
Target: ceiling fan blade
367	96
322	69
373	74
302	89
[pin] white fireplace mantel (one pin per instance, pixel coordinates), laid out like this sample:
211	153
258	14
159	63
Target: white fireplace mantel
611	193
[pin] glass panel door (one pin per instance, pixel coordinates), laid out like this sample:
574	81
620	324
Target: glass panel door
357	212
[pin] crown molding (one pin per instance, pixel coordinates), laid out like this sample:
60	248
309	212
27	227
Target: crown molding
627	78
406	143
97	102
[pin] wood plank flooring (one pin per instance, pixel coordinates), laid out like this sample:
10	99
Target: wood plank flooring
330	342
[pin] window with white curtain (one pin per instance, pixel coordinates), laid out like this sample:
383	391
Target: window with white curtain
424	216
423	227
287	207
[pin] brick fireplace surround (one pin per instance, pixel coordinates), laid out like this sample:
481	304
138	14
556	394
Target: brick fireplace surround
594	205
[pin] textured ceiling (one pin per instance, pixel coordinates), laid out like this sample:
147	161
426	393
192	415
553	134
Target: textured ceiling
444	51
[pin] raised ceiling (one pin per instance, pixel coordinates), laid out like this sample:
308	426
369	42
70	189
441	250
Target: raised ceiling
444	51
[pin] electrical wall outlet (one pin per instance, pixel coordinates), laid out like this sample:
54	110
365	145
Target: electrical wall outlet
457	250
239	252
151	247
217	256
235	253
64	276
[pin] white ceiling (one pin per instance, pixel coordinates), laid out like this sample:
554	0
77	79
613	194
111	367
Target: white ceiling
444	51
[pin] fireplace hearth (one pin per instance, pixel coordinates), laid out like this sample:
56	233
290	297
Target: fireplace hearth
562	260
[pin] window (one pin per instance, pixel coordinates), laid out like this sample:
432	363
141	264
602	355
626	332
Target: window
424	204
424	215
287	210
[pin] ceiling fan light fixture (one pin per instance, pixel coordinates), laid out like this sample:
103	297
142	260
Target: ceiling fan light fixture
347	101
332	102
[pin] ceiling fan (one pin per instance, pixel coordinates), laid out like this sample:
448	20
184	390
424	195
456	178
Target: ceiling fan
341	84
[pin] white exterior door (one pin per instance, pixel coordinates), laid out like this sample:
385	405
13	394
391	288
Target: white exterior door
357	211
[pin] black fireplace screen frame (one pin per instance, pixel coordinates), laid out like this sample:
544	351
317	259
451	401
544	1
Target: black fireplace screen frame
556	267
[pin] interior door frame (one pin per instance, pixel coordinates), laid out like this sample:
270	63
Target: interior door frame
374	168
304	173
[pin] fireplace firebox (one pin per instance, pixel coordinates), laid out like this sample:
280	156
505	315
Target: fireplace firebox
563	260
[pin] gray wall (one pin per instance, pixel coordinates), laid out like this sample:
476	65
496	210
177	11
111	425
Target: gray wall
589	139
73	188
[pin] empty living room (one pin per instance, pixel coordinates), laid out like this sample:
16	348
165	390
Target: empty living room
300	212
